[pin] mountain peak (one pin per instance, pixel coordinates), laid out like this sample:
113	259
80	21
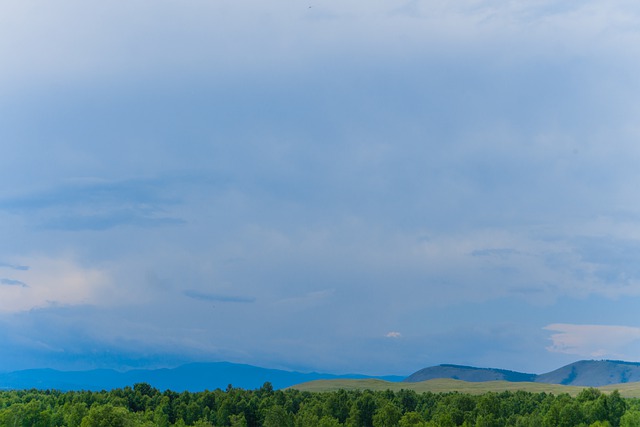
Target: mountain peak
588	373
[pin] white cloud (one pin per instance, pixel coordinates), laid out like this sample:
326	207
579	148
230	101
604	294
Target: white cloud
597	341
393	334
51	282
72	39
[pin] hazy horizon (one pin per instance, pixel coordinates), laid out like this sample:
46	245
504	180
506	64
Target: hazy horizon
369	187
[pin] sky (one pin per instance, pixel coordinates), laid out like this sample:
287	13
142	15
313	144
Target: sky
319	185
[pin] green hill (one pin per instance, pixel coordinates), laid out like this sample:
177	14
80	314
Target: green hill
584	373
469	373
593	373
443	385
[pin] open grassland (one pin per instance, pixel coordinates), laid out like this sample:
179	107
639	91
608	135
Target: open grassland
448	385
626	390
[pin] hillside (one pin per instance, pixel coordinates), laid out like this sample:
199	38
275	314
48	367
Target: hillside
445	385
442	385
586	373
468	373
593	373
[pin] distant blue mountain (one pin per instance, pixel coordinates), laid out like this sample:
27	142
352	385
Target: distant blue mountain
468	373
191	377
210	376
587	373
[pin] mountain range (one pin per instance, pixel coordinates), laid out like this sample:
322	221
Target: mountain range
210	376
588	373
191	377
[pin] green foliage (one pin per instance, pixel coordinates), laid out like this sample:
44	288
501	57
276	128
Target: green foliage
362	410
387	416
277	416
238	420
145	406
630	419
412	419
327	421
107	416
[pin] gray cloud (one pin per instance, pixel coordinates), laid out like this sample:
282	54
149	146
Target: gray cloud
138	192
204	296
12	282
315	147
14	266
101	222
97	205
499	253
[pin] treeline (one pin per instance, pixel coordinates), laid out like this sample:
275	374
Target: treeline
143	405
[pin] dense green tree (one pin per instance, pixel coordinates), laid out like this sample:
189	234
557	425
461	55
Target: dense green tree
630	419
488	420
362	410
238	420
387	416
265	390
107	415
144	406
588	394
489	404
306	419
327	421
412	419
570	415
277	416
444	419
617	407
74	413
337	405
406	400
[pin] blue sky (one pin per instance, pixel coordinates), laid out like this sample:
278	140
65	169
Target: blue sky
359	186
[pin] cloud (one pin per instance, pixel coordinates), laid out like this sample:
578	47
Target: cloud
315	147
393	334
191	39
12	282
204	296
92	204
499	252
310	298
100	222
597	341
14	266
53	282
142	192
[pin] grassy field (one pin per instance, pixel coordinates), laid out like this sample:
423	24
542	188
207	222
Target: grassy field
447	385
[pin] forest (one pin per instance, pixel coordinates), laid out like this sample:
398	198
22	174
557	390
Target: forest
144	405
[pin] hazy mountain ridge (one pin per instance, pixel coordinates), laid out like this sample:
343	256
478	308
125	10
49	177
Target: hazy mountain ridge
588	373
468	373
210	376
593	373
191	377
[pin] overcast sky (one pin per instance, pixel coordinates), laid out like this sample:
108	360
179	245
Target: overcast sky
340	186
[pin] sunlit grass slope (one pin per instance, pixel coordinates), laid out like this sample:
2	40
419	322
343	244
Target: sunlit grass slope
448	385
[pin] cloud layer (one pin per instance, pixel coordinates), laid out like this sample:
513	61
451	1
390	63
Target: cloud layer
291	186
595	341
52	282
